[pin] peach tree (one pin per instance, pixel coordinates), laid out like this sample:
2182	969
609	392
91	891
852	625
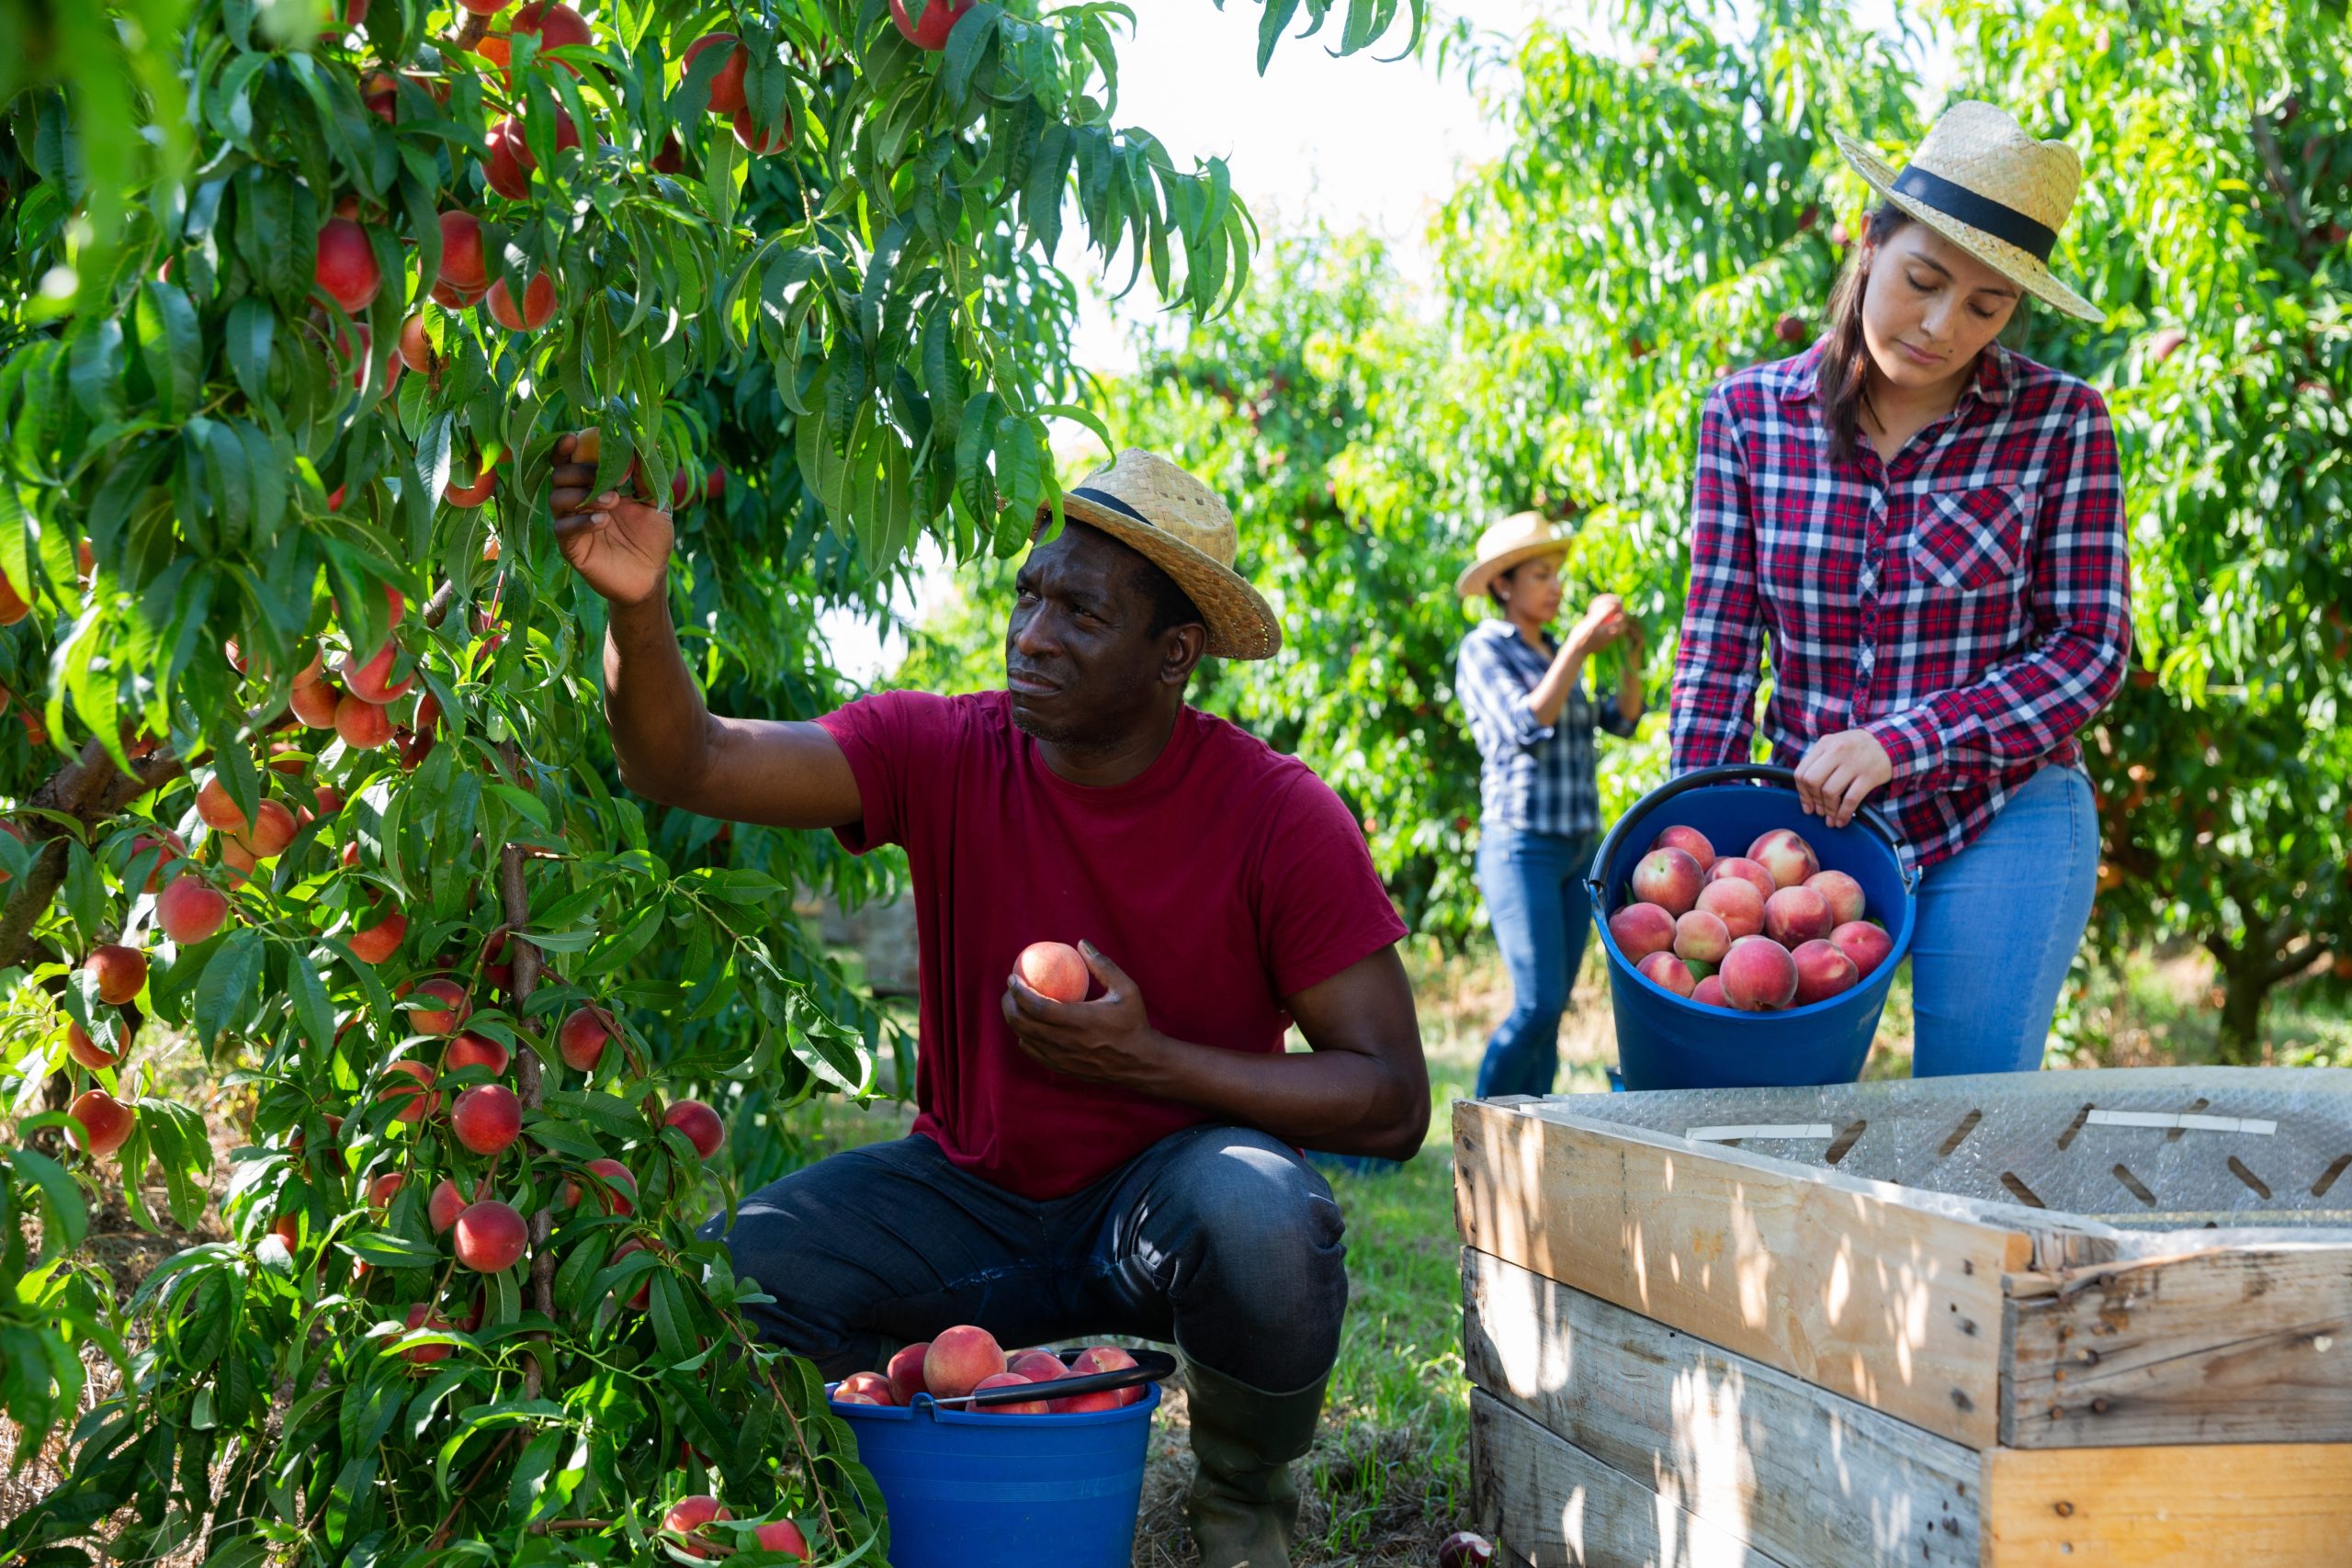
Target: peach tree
313	802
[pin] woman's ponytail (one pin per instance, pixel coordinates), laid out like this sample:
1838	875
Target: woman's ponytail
1844	375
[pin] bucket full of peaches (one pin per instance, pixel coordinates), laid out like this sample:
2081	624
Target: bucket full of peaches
1749	944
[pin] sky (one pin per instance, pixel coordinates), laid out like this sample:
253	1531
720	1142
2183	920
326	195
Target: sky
1359	143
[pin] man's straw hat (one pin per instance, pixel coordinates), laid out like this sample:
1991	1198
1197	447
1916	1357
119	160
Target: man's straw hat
1178	524
1982	183
1521	537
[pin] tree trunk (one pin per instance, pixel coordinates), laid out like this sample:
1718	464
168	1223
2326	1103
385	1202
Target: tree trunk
2246	988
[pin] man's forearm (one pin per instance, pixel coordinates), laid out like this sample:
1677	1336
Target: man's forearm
660	725
1339	1101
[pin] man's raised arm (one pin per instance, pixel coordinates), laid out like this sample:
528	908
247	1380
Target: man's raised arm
672	747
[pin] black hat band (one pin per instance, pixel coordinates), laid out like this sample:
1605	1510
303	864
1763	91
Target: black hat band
2003	223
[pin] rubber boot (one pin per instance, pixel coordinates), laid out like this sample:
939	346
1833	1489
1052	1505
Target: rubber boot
1242	1506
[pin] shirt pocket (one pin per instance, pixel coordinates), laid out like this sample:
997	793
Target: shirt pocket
1972	540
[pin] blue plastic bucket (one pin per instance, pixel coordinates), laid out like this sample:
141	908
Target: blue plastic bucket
1664	1040
975	1490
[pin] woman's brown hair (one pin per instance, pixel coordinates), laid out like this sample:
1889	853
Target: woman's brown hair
1844	376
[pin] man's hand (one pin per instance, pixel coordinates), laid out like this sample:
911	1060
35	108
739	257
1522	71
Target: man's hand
1839	773
1107	1039
617	543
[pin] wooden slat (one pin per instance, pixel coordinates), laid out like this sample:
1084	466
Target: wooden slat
2244	1505
1840	1282
2223	1346
1548	1503
1802	1474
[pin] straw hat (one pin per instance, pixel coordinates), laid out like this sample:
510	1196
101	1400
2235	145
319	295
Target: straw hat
1177	522
1521	537
1982	183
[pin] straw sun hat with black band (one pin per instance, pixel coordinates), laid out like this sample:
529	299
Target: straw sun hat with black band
1983	183
1177	522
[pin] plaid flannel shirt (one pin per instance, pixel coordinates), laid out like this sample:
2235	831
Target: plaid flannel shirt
1536	778
1968	605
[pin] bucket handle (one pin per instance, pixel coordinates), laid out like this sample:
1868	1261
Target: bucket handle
1870	817
1151	1366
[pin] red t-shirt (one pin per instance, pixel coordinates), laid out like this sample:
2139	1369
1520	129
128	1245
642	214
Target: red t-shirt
1223	879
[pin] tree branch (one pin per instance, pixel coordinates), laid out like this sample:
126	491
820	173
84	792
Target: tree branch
2296	960
514	897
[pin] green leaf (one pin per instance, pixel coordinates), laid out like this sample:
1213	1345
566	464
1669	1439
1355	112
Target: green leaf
308	997
249	331
227	984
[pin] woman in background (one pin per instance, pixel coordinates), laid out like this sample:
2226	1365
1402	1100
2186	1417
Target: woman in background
1539	804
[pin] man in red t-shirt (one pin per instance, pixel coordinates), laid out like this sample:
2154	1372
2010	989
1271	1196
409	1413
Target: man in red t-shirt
1128	1163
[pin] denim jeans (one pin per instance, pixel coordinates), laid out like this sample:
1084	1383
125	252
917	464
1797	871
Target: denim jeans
1219	1240
1998	928
1541	915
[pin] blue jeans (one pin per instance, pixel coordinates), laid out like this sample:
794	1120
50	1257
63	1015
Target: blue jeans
1998	928
1541	915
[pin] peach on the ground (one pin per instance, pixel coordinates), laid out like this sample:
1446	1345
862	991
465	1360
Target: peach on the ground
1797	915
1758	975
1640	929
1668	878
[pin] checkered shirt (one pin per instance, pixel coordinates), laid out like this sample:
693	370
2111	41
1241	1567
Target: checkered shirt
1968	604
1536	778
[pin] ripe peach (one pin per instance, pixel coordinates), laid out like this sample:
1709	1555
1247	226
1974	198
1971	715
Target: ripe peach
1108	1358
1784	854
1845	895
426	1019
1088	1403
417	1098
345	267
92	1054
1701	937
539	304
1668	878
1055	970
1640	929
190	910
939	19
486	1118
760	140
273	830
1664	969
463	265
638	1302
959	1359
120	972
1747	871
1734	902
174	849
855	1398
374	943
906	1373
106	1121
559	27
872	1385
1863	942
1797	915
580	1037
1758	975
700	1124
383	1188
618	1194
424	1317
1037	1366
444	1205
688	1515
1709	992
1690	841
416	344
491	1237
1012	1407
727	83
371	680
314	703
215	809
509	163
471	1050
1822	972
363	724
784	1536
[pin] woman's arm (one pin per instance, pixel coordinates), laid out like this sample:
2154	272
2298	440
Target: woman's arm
1603	623
1622	717
2081	603
1714	702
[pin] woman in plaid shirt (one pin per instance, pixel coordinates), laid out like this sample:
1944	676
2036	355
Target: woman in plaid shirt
1540	808
1929	530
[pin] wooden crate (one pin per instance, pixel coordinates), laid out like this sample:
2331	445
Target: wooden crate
1687	1355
